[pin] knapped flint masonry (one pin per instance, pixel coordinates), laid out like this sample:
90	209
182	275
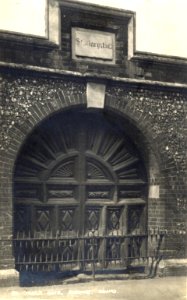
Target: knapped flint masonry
93	149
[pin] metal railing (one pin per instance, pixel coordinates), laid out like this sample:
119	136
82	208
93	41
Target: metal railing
57	253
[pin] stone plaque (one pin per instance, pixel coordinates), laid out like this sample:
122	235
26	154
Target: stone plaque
154	192
95	95
95	44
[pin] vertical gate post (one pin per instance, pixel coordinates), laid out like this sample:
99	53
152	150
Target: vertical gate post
93	255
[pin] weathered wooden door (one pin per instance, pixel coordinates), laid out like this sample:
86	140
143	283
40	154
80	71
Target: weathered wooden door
78	175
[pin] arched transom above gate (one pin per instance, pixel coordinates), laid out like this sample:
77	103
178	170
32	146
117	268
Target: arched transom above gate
75	149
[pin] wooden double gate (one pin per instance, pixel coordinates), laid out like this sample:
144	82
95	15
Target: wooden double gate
80	191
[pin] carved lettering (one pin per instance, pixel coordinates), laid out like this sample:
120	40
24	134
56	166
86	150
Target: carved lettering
93	44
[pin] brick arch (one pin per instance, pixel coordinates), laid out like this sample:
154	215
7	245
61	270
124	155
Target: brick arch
63	97
19	134
148	148
39	112
150	159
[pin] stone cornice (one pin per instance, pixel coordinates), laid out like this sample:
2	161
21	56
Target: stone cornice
88	76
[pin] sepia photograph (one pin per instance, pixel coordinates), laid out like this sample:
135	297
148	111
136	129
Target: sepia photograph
93	185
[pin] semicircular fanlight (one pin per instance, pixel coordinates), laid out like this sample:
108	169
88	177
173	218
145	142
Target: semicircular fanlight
65	170
96	171
115	155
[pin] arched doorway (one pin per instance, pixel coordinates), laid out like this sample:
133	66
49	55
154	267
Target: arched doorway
80	190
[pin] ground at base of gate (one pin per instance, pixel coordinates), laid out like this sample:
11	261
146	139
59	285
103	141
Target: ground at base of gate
168	288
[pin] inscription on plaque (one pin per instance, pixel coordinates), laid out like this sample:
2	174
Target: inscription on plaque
87	43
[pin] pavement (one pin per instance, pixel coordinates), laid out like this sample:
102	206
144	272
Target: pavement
167	288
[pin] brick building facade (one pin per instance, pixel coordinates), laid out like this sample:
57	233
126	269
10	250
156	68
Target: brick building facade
134	161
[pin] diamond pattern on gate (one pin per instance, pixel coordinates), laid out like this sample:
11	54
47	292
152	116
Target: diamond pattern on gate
66	219
134	218
43	220
113	219
92	219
